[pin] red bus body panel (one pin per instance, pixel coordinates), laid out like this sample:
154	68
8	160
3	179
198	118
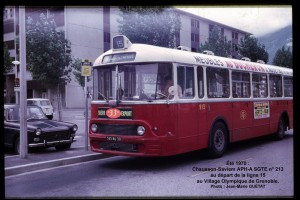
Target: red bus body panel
182	127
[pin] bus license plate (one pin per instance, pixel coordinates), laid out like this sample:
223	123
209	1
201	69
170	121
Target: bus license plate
113	138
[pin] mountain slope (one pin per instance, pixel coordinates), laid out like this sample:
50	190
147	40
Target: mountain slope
276	40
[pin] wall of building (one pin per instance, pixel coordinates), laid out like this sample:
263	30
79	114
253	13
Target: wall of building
185	31
86	37
204	32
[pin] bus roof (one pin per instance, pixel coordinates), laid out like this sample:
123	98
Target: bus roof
137	53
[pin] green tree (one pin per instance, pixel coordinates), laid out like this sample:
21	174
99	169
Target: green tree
48	52
76	65
251	48
150	25
7	61
217	44
283	57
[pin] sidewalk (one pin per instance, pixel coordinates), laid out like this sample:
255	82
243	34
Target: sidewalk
39	159
47	158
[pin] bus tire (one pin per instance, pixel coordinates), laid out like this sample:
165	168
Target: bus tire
281	129
218	141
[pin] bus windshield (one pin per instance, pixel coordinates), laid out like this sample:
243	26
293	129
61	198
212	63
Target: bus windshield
131	82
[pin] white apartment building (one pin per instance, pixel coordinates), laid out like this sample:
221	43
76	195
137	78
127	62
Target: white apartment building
90	30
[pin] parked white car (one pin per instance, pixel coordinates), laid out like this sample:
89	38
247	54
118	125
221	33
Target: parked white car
45	104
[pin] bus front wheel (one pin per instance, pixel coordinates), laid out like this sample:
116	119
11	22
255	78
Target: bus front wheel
281	129
218	140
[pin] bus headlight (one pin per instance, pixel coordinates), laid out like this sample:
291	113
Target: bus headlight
141	130
94	128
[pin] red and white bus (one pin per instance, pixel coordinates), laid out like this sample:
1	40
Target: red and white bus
213	101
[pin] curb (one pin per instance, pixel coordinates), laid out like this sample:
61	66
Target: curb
10	171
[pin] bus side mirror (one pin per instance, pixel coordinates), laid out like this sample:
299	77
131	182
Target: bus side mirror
172	90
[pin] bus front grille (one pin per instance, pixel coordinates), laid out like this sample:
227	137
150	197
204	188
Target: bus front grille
118	129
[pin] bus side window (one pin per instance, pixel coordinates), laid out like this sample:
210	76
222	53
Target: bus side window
240	85
200	82
217	83
185	76
288	86
275	82
260	85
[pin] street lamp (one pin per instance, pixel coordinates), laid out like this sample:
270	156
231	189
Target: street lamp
15	62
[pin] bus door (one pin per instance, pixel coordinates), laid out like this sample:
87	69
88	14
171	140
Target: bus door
261	107
190	113
189	120
242	108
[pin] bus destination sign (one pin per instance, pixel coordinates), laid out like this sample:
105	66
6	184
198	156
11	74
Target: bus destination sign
115	113
120	57
118	42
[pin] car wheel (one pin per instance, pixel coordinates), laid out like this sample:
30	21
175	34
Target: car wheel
63	147
17	146
50	116
218	141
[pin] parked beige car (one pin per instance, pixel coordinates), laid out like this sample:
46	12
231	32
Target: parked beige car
45	104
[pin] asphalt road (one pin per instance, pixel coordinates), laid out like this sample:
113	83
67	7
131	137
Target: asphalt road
255	168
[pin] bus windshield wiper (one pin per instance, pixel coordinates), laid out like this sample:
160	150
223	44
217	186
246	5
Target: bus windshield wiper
102	95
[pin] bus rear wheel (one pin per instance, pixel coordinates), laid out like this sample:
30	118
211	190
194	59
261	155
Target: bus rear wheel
218	140
281	129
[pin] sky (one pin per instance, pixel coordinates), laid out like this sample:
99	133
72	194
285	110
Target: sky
258	20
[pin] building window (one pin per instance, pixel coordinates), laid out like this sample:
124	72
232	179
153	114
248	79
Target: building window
8	27
195	23
211	27
5	14
222	33
11	13
10	44
194	37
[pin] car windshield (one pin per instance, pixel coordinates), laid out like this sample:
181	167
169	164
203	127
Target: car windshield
45	103
13	113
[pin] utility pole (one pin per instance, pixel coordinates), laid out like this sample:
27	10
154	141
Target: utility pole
23	86
17	83
86	71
